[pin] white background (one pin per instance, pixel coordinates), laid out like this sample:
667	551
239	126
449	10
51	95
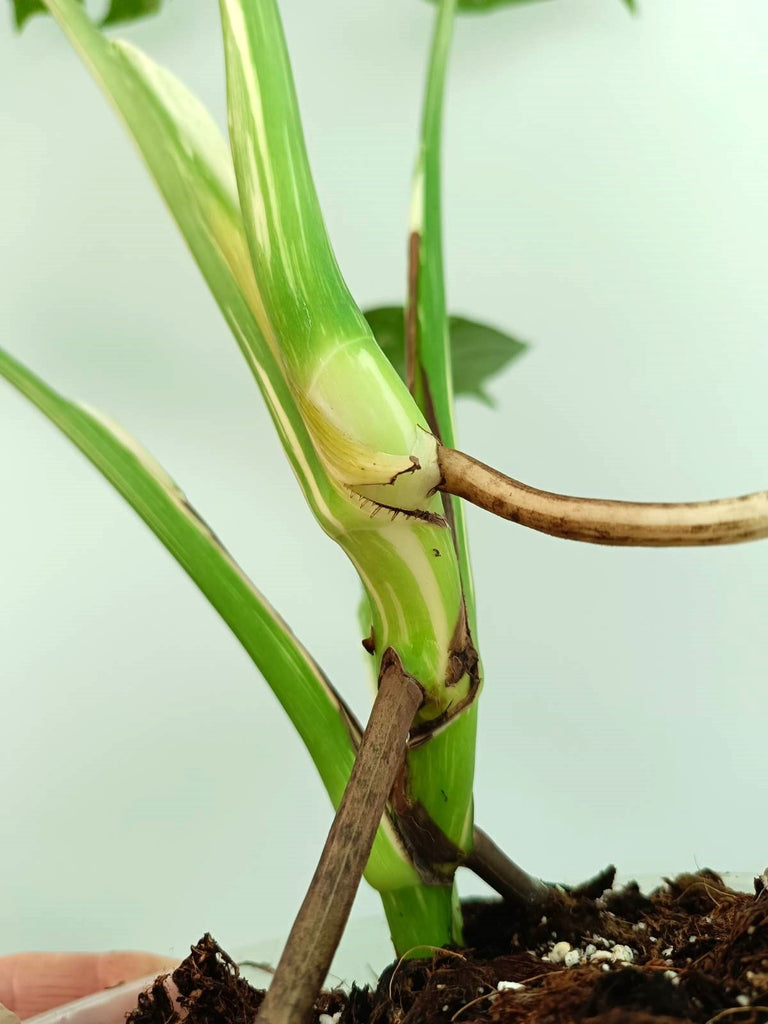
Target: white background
606	199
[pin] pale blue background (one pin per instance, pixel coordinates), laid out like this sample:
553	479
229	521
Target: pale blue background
606	199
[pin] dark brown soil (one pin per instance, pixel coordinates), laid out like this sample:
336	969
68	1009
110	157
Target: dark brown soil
694	952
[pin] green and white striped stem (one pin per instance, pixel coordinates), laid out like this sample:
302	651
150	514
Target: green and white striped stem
363	453
377	448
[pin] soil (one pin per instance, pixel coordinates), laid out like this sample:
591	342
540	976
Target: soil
693	952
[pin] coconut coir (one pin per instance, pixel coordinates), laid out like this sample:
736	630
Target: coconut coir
693	952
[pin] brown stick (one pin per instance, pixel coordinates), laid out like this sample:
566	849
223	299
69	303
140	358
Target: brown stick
491	864
320	922
598	521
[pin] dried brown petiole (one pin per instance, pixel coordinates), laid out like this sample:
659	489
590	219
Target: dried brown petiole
491	864
600	521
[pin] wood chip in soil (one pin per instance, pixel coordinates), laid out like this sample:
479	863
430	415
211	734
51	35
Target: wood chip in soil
693	952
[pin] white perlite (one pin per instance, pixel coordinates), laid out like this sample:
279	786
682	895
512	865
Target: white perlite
509	986
558	952
572	957
622	953
327	1018
600	954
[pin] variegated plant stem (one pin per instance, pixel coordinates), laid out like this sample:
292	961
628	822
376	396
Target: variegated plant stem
378	452
363	453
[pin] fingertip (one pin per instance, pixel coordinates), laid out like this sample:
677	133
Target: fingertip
31	983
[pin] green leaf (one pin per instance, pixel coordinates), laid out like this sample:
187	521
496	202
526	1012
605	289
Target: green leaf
478	352
119	10
130	10
324	723
23	10
388	326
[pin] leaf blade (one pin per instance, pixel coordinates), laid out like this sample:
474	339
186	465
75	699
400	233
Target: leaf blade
119	10
23	10
478	351
130	10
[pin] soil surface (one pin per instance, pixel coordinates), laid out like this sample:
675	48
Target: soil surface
694	952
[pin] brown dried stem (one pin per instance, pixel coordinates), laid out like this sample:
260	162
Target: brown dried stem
599	521
320	922
491	864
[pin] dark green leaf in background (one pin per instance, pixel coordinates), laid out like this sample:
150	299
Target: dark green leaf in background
478	351
119	10
128	10
24	9
388	328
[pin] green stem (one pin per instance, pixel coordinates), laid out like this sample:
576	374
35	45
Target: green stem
441	777
432	343
422	917
441	771
433	348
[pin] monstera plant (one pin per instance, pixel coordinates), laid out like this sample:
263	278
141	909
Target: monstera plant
363	403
